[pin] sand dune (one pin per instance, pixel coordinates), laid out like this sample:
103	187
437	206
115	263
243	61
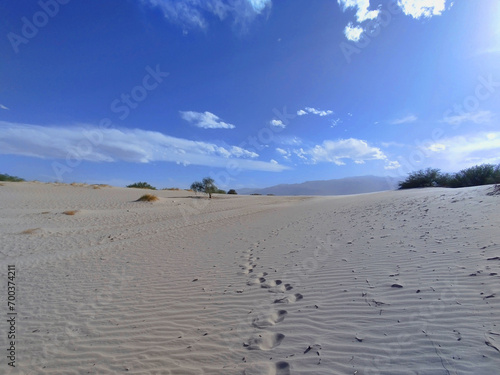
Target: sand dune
402	282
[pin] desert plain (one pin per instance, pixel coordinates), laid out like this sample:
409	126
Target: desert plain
397	282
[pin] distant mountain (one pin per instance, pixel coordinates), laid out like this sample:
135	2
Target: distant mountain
343	186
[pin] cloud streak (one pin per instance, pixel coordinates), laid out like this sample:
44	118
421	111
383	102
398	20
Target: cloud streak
478	117
92	144
405	120
314	111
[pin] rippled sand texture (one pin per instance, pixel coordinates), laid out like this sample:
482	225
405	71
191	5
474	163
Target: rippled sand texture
404	282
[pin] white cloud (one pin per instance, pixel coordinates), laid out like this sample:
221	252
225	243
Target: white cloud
422	8
392	165
205	120
337	151
352	32
405	120
363	13
284	153
313	111
193	13
478	117
3	107
89	143
465	150
277	123
289	141
413	8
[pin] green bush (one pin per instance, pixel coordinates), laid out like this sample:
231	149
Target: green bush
141	185
485	174
232	191
420	179
9	178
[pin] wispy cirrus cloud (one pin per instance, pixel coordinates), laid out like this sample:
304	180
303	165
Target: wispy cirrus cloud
466	150
205	120
404	120
3	107
314	111
192	14
92	144
338	152
477	117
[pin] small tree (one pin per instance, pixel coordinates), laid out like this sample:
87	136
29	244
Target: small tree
206	186
232	191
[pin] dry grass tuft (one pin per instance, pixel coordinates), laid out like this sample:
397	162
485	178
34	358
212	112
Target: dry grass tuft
70	212
30	231
148	198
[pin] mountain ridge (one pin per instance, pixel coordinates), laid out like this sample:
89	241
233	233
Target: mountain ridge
341	186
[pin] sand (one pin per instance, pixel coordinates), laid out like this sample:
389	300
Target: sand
401	282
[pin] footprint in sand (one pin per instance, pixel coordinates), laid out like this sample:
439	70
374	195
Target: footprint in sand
256	280
276	286
289	299
269	320
265	341
280	368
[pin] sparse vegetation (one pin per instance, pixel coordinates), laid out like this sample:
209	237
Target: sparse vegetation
495	191
484	174
141	185
30	231
207	186
232	191
9	178
148	198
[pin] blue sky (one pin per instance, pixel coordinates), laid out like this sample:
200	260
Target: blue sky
251	92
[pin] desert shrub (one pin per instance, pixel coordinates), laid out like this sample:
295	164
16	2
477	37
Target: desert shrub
9	178
484	174
141	185
148	198
220	191
422	178
232	191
